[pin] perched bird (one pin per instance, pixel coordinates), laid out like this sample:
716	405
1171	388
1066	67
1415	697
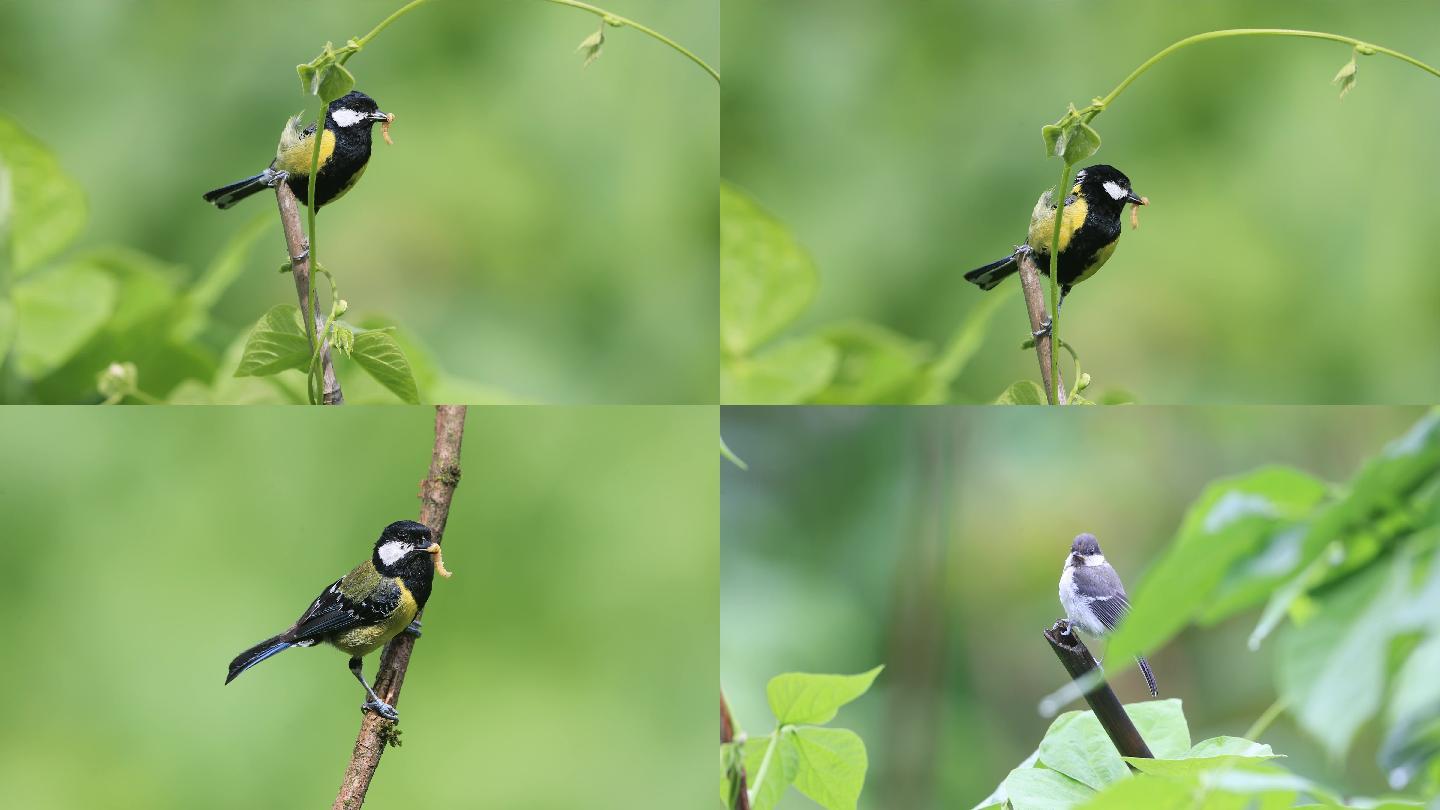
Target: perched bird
364	609
344	151
1093	598
1089	230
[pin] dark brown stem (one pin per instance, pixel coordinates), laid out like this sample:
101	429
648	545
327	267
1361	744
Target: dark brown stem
737	774
436	492
1035	305
298	245
1078	662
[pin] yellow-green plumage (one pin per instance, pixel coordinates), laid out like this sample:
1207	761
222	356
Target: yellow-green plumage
364	581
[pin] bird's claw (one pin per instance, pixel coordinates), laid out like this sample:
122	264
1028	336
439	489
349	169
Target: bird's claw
276	178
1044	330
381	708
412	629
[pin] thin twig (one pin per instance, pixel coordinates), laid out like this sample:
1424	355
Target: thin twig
435	493
737	776
1079	663
297	244
1035	305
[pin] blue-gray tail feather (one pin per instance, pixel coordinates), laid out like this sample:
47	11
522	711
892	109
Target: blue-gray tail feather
1149	676
255	655
226	196
993	273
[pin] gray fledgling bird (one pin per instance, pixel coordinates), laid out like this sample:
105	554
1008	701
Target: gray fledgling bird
1093	597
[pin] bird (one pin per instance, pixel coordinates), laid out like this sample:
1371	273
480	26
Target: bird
344	153
366	608
1093	596
1089	231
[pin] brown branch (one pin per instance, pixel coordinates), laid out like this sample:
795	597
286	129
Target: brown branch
435	493
299	246
737	774
1035	304
1078	662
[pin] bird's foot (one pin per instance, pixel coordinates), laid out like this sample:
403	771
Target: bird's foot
1044	330
412	629
381	708
1023	250
276	178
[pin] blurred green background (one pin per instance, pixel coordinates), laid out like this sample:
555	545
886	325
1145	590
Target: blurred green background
547	230
568	662
931	541
1288	253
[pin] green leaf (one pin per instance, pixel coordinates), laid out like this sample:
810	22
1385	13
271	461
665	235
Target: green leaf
1044	789
1332	667
1024	392
335	81
44	208
1228	747
1162	724
1078	143
1229	521
1212	754
787	374
1146	792
1077	746
779	774
1050	134
875	365
1346	77
277	343
56	312
377	352
797	697
227	266
766	278
832	766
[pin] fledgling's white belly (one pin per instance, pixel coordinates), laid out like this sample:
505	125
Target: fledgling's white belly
1077	608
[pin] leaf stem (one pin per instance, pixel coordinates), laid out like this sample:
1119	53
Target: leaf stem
385	23
1105	102
1060	192
620	22
765	763
1265	719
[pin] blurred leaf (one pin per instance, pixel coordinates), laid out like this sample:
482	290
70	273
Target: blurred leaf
729	455
1024	392
998	798
1346	77
966	340
786	374
46	208
766	279
377	352
1226	755
592	44
1228	521
832	766
1077	746
1412	740
1331	669
1148	792
433	384
780	774
277	343
227	266
798	697
1228	747
7	327
1043	789
56	312
875	365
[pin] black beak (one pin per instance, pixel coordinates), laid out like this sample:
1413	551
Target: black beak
379	116
1132	197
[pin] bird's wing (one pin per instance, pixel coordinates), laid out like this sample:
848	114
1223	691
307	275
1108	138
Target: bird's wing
333	611
1111	605
292	134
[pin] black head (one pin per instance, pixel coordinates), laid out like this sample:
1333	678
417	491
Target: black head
353	111
405	547
1085	545
1107	184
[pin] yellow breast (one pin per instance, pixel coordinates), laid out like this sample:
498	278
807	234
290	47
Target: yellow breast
1042	223
294	157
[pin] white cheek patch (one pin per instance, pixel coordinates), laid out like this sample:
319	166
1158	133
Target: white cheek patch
1092	560
1112	188
346	117
392	551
